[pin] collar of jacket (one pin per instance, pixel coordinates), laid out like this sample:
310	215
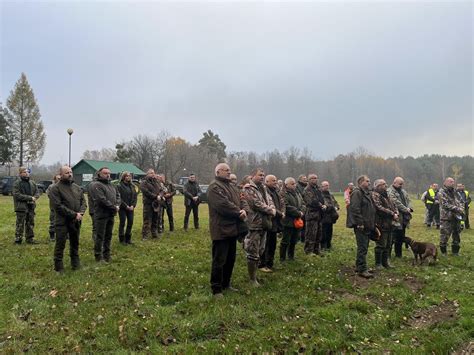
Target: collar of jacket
104	181
66	182
221	179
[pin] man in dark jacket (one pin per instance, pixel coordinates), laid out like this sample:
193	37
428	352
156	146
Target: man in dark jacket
226	213
128	198
169	192
107	203
266	262
300	186
330	216
361	217
152	192
191	191
386	214
315	207
69	205
52	213
25	194
294	208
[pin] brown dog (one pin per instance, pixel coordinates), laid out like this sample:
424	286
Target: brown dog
422	250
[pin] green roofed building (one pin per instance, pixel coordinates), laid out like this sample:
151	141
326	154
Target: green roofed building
85	170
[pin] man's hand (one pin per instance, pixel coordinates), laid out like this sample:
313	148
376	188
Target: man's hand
273	212
117	208
33	199
395	217
323	207
78	217
242	215
195	198
302	214
360	227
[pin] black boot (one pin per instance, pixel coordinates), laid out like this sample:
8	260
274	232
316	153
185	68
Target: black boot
121	239
455	250
52	236
58	266
75	263
283	248
378	259
385	262
291	251
171	226
443	250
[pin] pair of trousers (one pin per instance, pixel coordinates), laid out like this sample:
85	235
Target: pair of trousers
125	217
69	231
223	260
104	227
187	212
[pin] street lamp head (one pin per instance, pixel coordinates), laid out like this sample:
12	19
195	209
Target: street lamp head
70	131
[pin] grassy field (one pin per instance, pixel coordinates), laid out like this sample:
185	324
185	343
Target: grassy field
155	297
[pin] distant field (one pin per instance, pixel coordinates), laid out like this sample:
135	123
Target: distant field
155	297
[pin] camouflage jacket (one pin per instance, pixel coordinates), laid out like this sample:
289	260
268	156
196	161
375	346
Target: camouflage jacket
314	200
397	196
170	191
385	210
23	199
260	207
450	205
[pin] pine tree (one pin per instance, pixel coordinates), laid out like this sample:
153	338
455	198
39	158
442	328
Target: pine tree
24	118
6	147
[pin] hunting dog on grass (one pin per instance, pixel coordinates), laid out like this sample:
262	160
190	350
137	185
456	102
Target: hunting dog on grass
422	250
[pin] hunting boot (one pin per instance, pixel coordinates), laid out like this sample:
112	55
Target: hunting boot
291	252
252	268
171	225
121	239
378	259
455	250
58	266
365	274
443	250
283	248
385	261
52	237
75	263
128	239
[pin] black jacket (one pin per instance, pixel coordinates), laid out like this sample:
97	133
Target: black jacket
190	190
106	199
128	195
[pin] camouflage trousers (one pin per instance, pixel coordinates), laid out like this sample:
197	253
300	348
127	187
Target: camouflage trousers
312	243
254	244
450	228
25	220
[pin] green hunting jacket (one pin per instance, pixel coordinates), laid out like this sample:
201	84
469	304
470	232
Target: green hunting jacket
22	199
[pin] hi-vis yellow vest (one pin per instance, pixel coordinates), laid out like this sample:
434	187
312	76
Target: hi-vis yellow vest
432	195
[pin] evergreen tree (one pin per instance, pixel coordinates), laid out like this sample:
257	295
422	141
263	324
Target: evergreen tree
24	119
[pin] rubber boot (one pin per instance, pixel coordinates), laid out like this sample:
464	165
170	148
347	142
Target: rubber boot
455	250
283	248
378	259
291	252
252	269
443	250
385	262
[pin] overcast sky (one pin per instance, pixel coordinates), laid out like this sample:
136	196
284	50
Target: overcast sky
394	77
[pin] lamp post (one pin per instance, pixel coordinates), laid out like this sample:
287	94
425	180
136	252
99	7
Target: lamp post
70	131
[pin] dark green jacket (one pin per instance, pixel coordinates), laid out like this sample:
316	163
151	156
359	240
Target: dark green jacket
67	199
106	197
128	195
294	206
313	199
22	200
361	210
190	190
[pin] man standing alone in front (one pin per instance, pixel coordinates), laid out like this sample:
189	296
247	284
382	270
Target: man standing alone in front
69	205
226	213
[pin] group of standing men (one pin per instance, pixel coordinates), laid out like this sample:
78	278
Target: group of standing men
383	214
256	211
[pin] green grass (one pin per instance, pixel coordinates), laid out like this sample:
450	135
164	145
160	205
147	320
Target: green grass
155	297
